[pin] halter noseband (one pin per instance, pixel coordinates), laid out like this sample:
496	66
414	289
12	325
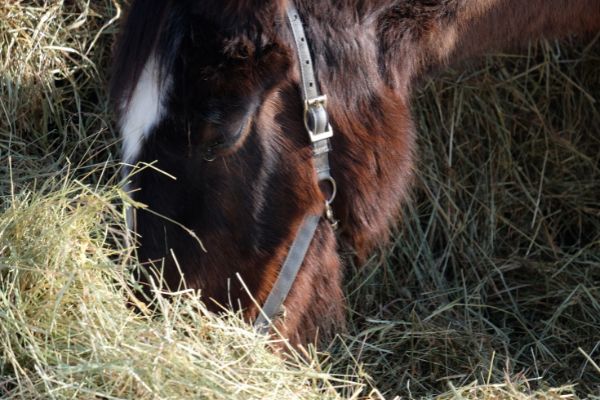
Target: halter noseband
316	121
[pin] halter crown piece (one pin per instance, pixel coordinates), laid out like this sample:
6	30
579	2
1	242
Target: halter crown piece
316	121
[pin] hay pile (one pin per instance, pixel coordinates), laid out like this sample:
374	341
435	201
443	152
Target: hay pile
491	288
496	269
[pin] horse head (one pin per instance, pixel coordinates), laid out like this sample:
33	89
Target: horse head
212	110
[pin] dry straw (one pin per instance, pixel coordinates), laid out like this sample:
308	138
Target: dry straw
490	288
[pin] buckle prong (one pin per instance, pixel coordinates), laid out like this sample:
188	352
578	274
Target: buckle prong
316	101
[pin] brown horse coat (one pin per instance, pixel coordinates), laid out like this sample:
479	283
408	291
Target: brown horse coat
196	75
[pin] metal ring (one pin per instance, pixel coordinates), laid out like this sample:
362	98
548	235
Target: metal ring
333	189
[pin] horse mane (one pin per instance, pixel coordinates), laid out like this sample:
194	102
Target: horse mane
152	27
156	27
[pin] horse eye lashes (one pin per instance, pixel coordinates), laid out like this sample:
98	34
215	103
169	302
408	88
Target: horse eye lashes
216	143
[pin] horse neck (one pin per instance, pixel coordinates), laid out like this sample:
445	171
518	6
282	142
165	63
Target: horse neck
483	26
402	40
367	55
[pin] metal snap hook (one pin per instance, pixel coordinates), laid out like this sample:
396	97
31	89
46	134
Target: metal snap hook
329	216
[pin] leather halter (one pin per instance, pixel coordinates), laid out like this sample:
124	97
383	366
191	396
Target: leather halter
316	122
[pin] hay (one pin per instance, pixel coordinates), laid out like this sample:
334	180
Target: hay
66	331
496	269
490	289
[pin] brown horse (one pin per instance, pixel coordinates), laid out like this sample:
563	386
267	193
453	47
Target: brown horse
208	93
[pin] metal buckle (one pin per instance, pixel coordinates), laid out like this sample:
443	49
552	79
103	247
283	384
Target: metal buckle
315	103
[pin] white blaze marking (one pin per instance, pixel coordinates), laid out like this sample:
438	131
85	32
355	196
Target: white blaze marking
138	116
144	111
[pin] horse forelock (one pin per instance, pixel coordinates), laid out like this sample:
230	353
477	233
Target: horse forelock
141	71
153	28
239	12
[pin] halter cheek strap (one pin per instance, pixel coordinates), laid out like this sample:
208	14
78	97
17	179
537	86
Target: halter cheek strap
316	121
288	273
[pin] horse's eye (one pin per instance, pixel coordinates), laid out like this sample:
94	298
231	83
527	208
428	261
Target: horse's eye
226	135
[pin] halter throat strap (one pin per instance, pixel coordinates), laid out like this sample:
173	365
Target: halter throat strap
316	122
